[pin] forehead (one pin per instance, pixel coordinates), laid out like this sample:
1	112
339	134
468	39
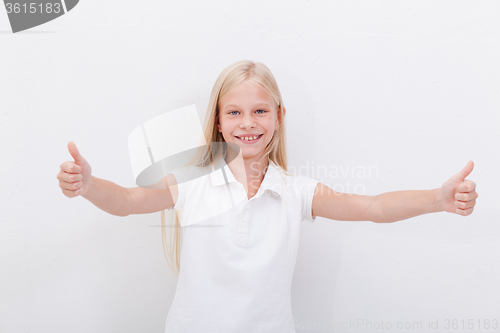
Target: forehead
247	93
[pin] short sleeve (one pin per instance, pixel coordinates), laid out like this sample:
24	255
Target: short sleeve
184	177
181	190
307	186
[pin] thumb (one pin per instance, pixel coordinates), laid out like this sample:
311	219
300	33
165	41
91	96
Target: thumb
460	177
79	160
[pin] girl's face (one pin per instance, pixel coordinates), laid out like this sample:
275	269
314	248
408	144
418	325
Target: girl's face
248	111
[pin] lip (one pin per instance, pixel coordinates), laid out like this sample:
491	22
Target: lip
249	134
250	142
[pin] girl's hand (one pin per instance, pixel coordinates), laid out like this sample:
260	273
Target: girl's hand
74	177
458	195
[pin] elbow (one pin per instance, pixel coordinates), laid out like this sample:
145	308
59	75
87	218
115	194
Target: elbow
376	213
373	213
382	221
378	219
382	218
121	213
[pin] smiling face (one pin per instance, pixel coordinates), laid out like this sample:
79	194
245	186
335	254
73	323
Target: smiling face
248	111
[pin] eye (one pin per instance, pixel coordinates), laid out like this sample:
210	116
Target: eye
262	111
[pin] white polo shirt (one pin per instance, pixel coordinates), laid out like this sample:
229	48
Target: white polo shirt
236	267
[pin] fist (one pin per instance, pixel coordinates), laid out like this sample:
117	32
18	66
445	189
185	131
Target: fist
74	177
458	195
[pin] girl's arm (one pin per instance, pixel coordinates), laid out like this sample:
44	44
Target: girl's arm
121	201
108	196
75	179
457	195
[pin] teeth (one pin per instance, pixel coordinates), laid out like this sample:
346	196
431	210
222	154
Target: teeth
247	138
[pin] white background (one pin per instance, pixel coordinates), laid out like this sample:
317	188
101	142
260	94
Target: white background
408	87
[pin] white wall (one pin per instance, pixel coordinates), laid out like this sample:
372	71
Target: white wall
409	88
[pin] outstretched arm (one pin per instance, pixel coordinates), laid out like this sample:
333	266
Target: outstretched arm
457	195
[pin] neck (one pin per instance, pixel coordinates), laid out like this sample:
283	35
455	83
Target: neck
249	170
256	168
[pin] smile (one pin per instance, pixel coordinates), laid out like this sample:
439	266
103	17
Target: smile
250	141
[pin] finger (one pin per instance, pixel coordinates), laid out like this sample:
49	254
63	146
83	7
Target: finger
70	167
465	205
459	177
466	196
71	193
464	212
79	160
71	186
63	176
71	177
466	186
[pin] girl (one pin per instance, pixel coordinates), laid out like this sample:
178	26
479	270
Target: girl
237	266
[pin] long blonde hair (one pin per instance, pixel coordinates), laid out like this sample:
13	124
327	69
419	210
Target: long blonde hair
230	77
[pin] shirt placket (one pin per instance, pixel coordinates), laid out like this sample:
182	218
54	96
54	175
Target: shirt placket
242	228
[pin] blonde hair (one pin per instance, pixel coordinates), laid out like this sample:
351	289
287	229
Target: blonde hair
230	77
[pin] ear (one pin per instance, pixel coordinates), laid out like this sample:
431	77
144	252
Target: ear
218	124
278	120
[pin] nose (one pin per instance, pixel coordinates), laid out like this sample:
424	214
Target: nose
247	121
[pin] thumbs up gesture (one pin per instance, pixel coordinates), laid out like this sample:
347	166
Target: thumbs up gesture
458	195
74	177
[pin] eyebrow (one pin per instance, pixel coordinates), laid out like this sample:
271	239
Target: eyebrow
257	105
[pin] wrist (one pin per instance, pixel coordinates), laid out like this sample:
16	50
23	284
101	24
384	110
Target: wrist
89	189
438	200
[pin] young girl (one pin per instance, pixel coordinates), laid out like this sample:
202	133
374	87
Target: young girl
237	266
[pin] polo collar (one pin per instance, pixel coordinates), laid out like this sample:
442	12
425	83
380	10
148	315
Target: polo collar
273	179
